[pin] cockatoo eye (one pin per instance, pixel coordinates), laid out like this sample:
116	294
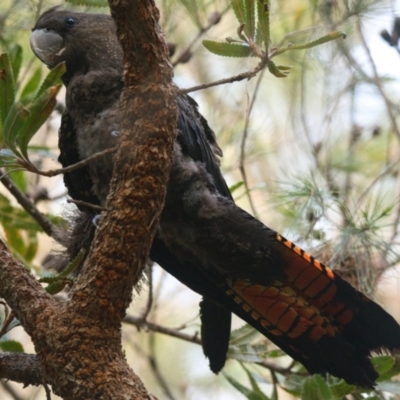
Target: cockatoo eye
70	21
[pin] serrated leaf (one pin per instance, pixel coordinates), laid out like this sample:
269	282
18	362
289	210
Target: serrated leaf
52	79
39	113
12	346
324	39
56	287
248	352
315	388
276	71
89	3
341	389
263	23
243	335
248	393
31	86
16	60
249	27
395	370
239	10
293	384
7	87
227	49
383	364
256	389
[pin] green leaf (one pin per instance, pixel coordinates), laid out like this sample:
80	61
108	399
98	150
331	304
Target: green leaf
276	71
89	3
12	346
16	60
324	39
52	79
284	68
263	34
32	247
276	353
39	113
19	178
16	217
8	159
14	240
249	27
315	388
341	389
31	86
239	10
256	389
57	286
16	118
71	267
244	334
248	393
235	187
227	49
248	352
7	87
383	364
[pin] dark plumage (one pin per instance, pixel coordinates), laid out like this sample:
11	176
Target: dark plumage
204	239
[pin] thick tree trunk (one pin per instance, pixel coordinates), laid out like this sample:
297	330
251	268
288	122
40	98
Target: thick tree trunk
78	342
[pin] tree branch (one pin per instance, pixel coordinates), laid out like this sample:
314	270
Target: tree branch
173	332
54	172
22	292
22	368
78	341
237	78
29	207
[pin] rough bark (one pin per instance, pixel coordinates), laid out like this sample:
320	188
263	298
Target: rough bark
22	368
78	342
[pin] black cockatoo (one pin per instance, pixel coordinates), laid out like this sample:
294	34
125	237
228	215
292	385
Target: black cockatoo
218	250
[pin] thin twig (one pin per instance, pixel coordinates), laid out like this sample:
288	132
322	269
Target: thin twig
243	144
281	370
80	164
350	147
48	392
237	78
10	318
156	370
386	171
149	303
138	322
186	51
377	81
8	388
29	207
86	204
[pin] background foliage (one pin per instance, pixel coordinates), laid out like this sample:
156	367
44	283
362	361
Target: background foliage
314	155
